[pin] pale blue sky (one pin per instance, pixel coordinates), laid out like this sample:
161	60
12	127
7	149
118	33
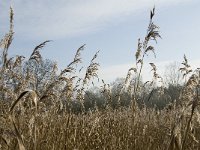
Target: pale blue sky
111	26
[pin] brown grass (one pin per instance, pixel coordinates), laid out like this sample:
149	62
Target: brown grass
37	113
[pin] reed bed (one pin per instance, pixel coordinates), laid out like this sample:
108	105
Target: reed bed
37	104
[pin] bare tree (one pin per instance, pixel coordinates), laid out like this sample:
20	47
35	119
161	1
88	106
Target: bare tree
172	75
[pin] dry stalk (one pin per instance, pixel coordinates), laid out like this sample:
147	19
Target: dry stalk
12	117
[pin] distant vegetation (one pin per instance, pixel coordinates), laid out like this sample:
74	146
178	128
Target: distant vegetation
42	108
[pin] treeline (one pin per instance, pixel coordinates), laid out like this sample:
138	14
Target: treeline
114	95
158	97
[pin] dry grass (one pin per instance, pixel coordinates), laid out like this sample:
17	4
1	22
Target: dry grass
36	113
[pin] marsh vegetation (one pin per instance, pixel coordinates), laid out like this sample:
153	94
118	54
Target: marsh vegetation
43	108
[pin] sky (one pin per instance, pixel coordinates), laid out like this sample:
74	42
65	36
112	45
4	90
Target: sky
111	26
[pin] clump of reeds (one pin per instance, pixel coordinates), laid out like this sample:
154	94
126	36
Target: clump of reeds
37	113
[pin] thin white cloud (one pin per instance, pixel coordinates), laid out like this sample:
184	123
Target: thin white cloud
65	18
110	73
